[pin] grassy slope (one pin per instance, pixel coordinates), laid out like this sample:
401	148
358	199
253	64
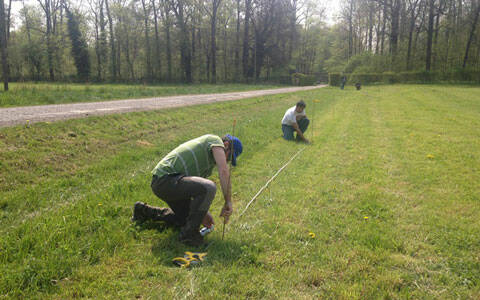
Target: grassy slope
22	94
406	157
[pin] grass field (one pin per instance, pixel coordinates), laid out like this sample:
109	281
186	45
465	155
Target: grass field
390	188
22	94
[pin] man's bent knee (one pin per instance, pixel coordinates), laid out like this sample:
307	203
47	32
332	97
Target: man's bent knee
211	189
207	198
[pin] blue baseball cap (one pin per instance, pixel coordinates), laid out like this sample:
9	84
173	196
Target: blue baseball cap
237	148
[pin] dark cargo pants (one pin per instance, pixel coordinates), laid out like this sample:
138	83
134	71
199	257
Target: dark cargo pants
288	130
187	196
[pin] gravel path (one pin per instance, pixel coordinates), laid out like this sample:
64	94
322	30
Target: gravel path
43	113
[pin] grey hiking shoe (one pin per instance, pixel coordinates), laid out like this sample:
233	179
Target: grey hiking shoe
139	212
143	212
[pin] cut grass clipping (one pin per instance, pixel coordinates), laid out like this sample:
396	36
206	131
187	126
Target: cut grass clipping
383	204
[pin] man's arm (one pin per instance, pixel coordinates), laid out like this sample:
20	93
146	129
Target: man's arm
299	132
224	175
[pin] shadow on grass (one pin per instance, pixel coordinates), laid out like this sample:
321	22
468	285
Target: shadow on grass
151	225
225	252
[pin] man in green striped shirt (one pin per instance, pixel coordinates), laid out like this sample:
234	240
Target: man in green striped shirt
180	180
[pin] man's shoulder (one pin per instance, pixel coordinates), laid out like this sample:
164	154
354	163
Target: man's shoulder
207	137
210	139
290	111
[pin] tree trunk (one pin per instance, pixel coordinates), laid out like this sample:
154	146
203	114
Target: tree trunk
435	42
119	56
103	40
293	29
245	54
225	67
428	59
384	23
158	70
7	25
410	38
237	43
167	25
472	32
213	45
147	43
395	15
3	46
97	48
112	42
350	30
413	18
48	19
193	49
185	51
169	53
370	27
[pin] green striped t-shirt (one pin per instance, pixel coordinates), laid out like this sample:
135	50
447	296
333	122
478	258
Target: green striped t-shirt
192	158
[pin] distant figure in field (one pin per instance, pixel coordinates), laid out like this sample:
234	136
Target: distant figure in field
179	179
295	120
358	86
344	80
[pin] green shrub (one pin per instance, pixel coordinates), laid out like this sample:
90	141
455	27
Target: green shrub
407	77
308	80
389	77
334	79
364	78
465	75
296	77
302	79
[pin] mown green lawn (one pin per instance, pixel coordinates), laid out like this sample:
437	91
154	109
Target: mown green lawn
23	94
390	188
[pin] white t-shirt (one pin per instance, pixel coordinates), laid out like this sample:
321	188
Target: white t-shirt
290	116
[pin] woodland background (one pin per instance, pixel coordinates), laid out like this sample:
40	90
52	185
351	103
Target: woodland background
173	41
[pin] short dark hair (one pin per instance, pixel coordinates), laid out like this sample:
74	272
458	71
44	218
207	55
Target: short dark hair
226	139
301	104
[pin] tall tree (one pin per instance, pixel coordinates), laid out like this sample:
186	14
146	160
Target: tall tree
475	14
146	15
213	43
237	42
414	12
246	39
167	22
179	9
113	54
158	65
50	8
79	46
3	42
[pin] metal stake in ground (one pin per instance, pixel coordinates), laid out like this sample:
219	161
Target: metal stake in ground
229	172
313	117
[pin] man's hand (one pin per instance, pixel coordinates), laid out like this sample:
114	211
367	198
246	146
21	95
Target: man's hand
227	211
300	133
208	220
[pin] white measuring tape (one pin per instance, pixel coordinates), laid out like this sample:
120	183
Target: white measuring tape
270	180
